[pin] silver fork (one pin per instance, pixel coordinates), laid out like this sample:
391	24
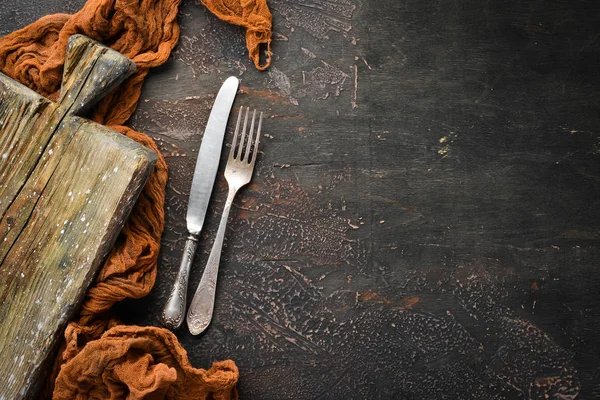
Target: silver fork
238	173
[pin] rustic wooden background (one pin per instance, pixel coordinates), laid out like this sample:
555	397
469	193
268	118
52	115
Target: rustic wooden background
424	222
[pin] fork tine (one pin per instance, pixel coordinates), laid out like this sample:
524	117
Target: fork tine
257	138
235	135
249	143
240	149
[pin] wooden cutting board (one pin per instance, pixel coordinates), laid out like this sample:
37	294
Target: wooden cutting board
66	186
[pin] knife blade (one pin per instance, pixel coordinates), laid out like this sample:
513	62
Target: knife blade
209	155
202	185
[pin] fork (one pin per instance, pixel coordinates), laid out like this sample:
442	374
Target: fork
238	173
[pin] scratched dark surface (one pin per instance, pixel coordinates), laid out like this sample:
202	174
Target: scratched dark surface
424	222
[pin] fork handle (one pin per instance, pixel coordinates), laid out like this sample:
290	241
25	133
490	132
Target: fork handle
174	310
201	308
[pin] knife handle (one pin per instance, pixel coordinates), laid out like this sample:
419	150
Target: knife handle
174	311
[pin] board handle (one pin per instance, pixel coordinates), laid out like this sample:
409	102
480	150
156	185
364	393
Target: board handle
91	71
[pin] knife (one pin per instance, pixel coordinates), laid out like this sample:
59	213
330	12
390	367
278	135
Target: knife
202	184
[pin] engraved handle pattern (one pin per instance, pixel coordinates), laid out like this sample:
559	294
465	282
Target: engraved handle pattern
201	308
174	311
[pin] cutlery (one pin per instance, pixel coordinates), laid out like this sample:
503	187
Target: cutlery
238	173
202	184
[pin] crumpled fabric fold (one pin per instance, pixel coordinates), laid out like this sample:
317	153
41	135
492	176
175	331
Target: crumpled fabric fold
142	363
255	16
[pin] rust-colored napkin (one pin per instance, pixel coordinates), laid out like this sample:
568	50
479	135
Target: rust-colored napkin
131	362
101	359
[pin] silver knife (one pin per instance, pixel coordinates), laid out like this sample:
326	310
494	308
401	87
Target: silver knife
202	184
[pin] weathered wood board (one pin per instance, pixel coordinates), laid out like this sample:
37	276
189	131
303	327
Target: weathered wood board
66	186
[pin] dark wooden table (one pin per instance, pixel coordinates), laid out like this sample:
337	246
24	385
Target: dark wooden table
424	222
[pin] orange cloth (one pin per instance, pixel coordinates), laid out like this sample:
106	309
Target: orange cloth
254	15
145	31
141	363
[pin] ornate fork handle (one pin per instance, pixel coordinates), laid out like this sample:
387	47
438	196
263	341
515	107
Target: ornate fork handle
174	311
238	172
201	308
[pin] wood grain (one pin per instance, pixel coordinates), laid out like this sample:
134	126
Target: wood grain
67	184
